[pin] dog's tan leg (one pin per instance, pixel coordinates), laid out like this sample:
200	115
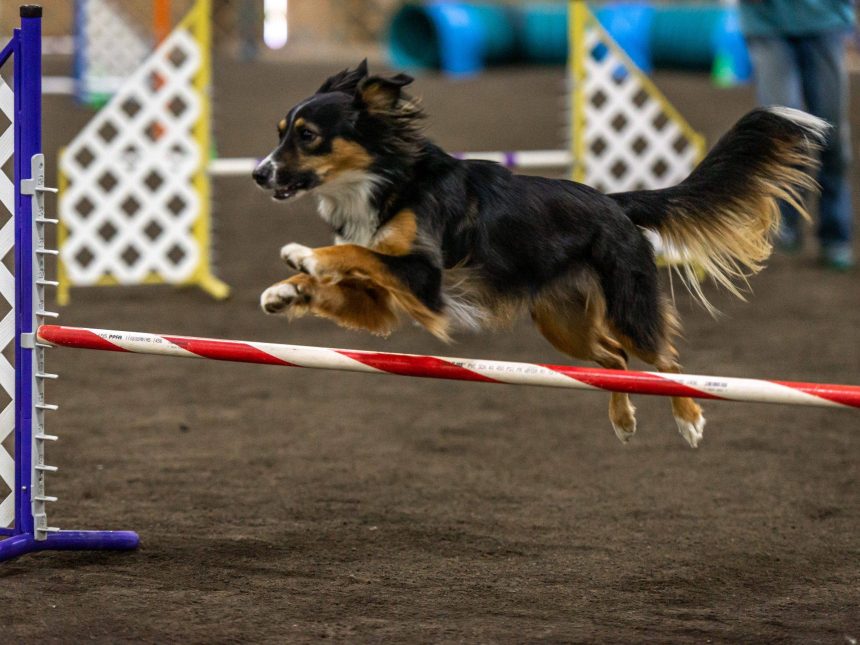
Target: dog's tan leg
688	414
334	263
357	265
578	329
349	303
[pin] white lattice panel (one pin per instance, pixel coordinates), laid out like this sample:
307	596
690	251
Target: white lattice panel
7	305
631	141
129	204
113	46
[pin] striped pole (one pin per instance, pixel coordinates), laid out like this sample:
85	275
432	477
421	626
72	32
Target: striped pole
461	369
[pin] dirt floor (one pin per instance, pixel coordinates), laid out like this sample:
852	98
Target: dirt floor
280	505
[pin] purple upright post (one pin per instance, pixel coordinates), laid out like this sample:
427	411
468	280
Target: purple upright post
30	532
28	142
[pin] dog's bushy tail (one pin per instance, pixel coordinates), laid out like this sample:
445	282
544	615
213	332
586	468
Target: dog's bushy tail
721	217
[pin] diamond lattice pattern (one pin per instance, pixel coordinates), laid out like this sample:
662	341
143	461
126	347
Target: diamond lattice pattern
129	204
632	141
7	302
113	46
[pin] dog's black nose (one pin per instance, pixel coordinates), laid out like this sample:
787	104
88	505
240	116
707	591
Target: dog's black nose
262	174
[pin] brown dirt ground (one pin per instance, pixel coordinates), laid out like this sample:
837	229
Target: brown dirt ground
280	505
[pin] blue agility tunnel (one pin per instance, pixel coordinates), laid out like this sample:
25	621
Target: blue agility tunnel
461	38
542	31
700	37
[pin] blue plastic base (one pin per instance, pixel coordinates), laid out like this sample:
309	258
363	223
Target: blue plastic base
69	541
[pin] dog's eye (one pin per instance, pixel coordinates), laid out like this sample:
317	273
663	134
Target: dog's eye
307	135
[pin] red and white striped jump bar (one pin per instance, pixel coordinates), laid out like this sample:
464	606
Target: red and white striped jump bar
461	369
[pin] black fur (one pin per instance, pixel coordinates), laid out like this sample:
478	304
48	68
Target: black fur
520	233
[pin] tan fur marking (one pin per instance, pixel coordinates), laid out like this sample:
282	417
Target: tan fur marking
682	407
298	122
345	155
734	243
376	96
397	236
282	125
353	304
572	317
350	262
577	326
686	409
667	361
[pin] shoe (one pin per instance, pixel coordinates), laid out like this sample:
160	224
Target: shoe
837	258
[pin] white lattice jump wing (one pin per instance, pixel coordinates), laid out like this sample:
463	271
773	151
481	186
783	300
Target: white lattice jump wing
7	304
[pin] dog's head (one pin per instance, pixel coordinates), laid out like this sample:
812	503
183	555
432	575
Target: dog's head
345	130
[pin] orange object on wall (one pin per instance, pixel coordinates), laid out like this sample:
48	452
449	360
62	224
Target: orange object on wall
160	19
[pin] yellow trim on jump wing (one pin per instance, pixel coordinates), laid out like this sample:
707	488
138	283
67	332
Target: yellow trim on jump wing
197	22
109	280
577	19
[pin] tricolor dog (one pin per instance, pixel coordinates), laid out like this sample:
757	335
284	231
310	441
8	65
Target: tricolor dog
455	243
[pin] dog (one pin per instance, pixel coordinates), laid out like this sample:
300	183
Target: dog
468	244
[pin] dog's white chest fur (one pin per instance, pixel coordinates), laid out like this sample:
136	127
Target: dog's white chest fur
346	205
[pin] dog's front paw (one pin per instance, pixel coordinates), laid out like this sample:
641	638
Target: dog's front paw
299	257
280	297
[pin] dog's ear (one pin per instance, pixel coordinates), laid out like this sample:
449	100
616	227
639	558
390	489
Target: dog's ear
346	80
382	93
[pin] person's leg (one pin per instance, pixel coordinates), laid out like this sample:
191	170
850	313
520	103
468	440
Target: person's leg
778	82
825	89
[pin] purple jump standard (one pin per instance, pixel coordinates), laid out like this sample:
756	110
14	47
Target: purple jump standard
29	530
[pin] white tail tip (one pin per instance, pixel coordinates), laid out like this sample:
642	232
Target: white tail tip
814	125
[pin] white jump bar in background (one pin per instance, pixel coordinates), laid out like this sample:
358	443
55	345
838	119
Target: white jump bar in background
233	166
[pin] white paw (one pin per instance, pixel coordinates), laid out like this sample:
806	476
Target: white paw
299	257
624	430
278	297
691	431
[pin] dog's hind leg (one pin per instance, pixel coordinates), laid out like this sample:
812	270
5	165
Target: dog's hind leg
688	415
577	326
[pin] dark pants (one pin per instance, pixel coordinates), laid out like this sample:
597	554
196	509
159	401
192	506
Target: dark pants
808	73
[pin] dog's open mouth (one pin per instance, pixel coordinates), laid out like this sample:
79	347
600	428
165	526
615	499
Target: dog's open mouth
281	194
289	191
